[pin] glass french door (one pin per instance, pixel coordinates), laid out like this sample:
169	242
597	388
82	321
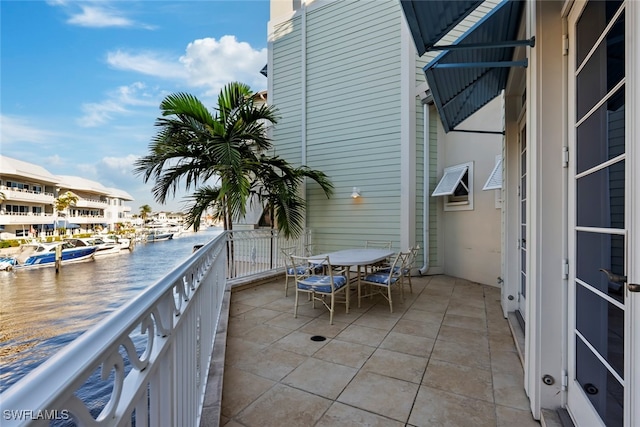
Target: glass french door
522	238
599	328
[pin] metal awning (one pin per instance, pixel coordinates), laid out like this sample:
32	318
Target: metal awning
450	181
474	70
429	21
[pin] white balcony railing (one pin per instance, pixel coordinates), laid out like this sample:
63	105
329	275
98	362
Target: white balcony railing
256	251
91	203
155	351
26	218
22	195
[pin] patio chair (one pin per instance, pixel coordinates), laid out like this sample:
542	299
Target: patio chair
380	283
289	271
320	286
406	269
378	244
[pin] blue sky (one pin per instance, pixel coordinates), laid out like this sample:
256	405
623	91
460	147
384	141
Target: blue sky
81	81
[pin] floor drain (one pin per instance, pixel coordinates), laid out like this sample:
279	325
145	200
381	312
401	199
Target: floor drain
318	338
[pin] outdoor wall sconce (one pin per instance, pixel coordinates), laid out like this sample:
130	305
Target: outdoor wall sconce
356	193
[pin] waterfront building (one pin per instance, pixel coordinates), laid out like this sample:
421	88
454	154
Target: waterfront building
29	192
352	102
545	94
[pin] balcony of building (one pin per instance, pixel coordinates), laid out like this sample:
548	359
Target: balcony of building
220	346
15	194
91	203
28	218
446	356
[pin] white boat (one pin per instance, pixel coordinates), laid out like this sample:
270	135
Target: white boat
156	236
102	247
124	243
162	228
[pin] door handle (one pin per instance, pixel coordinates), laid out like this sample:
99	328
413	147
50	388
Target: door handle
616	278
613	277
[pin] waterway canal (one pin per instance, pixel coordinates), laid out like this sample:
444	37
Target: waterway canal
41	311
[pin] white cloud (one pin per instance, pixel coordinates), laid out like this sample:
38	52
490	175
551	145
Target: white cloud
96	114
54	160
207	63
212	64
92	16
17	129
96	15
148	63
120	165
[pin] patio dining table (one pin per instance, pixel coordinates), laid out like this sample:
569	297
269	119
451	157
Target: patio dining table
355	257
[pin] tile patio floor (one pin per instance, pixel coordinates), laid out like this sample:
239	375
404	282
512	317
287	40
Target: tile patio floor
445	357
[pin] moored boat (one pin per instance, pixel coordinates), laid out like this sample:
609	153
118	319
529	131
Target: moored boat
125	243
34	255
157	237
7	263
102	247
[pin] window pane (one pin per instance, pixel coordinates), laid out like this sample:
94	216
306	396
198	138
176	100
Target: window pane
592	22
602	324
601	136
605	393
600	251
600	198
599	76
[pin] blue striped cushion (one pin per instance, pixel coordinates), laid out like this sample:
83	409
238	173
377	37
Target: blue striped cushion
315	268
395	270
322	283
298	270
382	279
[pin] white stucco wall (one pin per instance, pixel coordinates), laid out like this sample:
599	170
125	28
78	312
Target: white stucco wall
472	247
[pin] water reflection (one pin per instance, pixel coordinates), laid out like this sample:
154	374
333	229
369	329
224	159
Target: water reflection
41	311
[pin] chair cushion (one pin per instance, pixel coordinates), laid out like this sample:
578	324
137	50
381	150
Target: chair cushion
299	270
395	270
382	279
316	268
322	283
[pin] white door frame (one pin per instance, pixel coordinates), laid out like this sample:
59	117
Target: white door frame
633	209
523	216
578	404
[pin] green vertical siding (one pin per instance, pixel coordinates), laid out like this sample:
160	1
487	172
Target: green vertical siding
286	72
353	119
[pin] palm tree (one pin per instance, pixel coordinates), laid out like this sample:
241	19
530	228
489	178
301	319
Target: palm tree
196	146
145	210
64	201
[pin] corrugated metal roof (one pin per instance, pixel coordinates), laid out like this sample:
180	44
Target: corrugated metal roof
430	20
463	81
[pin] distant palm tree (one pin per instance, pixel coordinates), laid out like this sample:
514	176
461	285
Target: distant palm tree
145	210
229	147
63	202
